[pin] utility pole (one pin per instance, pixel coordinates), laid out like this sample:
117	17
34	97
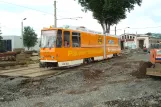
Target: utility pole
124	32
105	56
55	18
115	30
22	32
0	30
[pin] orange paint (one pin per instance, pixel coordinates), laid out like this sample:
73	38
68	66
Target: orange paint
91	45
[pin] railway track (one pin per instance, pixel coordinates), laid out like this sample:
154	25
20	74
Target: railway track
34	70
31	72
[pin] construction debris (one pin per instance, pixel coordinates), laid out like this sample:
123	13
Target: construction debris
8	56
118	82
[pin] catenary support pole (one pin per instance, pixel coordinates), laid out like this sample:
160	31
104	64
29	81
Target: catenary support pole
115	30
105	45
22	34
55	15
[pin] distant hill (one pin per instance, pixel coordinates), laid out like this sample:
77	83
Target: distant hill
156	35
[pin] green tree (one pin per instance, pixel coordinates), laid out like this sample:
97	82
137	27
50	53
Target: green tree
149	33
29	37
108	12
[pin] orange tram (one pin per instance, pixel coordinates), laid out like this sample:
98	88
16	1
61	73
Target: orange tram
64	47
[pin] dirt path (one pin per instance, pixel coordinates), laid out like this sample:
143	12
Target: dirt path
115	83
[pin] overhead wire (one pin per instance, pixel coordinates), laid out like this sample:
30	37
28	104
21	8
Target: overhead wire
34	9
138	28
66	18
28	8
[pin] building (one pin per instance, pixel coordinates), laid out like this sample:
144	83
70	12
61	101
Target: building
128	40
12	42
148	41
134	41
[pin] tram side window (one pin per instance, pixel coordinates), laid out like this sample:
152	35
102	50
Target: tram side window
75	39
66	39
59	39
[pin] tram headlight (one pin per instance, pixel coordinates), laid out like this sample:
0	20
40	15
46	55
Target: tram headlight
41	57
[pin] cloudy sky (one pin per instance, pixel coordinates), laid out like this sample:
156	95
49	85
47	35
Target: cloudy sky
40	14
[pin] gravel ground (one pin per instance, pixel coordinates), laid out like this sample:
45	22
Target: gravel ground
118	82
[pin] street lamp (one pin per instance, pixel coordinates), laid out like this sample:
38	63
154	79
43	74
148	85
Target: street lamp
124	30
22	31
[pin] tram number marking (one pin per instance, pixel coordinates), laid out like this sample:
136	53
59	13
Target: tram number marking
65	63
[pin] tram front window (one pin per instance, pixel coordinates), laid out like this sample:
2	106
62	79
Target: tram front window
48	39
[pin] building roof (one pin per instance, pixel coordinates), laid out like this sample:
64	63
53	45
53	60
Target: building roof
128	34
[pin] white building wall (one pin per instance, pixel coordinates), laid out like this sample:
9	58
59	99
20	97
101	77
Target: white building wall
17	42
135	44
146	41
129	40
130	44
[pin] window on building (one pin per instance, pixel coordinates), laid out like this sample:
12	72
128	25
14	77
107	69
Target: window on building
122	37
76	39
7	45
151	46
66	39
59	39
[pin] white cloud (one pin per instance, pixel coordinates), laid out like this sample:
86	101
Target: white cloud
138	18
29	2
11	22
68	8
150	3
157	12
38	19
